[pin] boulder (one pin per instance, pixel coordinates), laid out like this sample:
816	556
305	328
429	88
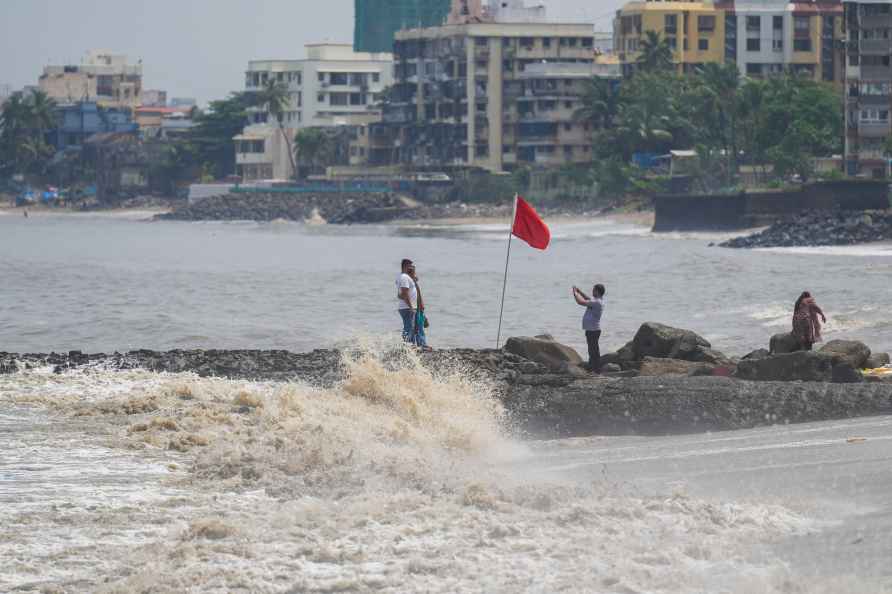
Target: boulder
666	342
782	344
877	360
804	366
757	355
654	366
544	350
852	352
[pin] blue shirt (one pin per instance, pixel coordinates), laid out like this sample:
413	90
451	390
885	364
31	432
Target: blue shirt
591	321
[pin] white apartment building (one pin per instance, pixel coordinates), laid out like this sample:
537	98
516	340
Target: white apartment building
332	86
766	37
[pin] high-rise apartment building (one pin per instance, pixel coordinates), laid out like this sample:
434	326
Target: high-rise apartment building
102	77
489	94
762	37
378	20
332	86
868	34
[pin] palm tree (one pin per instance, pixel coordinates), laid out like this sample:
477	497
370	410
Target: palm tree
718	91
313	146
24	123
655	52
43	114
600	103
276	98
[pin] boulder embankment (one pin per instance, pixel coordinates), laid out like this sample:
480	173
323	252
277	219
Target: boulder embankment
666	380
334	208
821	229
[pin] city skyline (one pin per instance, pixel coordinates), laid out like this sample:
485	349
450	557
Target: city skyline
197	49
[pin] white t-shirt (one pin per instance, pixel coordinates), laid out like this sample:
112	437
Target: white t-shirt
404	281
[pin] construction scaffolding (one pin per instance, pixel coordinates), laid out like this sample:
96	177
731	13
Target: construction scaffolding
378	20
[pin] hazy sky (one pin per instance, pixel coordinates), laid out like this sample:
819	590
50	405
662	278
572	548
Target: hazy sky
191	48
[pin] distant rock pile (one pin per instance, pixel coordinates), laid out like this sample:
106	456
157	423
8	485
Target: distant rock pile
337	209
821	229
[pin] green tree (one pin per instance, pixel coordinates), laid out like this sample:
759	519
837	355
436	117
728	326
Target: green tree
600	101
24	124
315	147
275	98
655	53
210	143
715	93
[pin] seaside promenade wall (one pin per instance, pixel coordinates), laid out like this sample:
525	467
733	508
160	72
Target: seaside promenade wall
721	212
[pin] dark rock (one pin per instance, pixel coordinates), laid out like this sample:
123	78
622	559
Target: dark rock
544	350
790	367
782	344
821	228
611	368
877	360
852	352
757	355
659	340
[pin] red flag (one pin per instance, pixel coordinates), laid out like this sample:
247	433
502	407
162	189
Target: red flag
529	226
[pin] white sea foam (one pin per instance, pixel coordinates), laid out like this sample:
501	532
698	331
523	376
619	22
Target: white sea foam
396	480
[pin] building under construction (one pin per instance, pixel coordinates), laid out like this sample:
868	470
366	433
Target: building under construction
378	20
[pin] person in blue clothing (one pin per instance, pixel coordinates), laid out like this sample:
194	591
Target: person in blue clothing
591	323
421	322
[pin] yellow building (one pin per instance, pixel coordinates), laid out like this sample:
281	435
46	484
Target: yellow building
762	37
695	31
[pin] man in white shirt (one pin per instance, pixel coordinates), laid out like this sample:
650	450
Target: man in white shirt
407	299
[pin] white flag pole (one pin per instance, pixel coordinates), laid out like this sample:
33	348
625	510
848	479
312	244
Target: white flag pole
505	280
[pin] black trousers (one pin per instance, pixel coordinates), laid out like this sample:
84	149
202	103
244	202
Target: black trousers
594	350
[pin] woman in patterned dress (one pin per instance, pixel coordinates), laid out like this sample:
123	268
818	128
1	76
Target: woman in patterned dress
806	326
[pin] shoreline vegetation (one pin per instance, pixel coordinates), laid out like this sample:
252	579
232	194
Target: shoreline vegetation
665	380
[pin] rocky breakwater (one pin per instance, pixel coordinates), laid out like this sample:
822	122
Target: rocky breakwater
821	229
666	380
334	208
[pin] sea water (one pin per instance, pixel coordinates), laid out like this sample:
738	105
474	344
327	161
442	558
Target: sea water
403	479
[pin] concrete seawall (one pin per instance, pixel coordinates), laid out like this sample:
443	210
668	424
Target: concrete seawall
719	212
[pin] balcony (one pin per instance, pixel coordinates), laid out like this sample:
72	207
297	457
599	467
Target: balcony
869	72
875	46
874	100
874	129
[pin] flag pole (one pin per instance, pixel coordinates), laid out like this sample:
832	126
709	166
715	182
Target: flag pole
505	280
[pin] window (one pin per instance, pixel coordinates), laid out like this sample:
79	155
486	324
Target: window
320	98
321	77
527	43
703	45
685	44
801	25
777	45
875	60
673	43
754	69
546	42
339	98
339	78
670	23
874	88
753	45
802	45
875	116
376	77
753	24
777	23
358	79
706	23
